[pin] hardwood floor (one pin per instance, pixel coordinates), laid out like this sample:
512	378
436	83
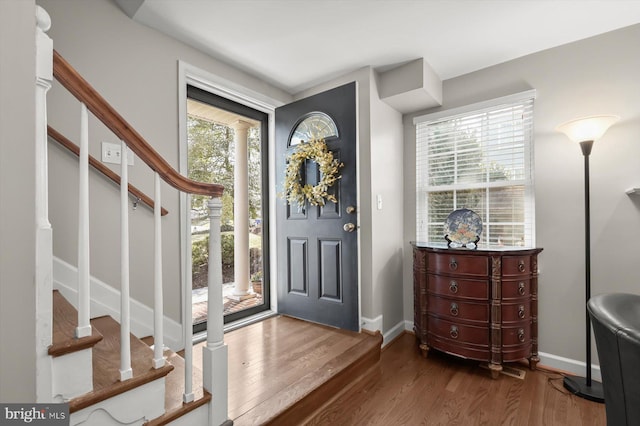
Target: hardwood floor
269	361
282	369
444	390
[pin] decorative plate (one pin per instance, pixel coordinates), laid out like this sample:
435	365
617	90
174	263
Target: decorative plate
463	228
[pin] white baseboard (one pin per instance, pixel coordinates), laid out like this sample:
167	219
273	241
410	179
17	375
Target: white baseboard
394	332
371	324
552	361
569	365
105	300
376	324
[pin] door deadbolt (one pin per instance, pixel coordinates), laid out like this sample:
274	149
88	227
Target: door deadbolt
351	209
349	227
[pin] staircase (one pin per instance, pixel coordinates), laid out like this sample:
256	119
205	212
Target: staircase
151	396
107	375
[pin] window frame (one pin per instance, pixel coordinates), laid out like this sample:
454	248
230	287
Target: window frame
424	188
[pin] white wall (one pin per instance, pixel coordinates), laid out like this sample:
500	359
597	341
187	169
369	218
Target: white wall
17	201
597	75
136	69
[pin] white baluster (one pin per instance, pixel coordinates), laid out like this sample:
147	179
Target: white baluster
125	344
188	395
215	354
158	343
84	327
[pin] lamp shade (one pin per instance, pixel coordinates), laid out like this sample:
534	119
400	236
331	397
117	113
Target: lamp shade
587	128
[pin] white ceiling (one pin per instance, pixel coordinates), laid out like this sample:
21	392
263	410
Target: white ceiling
295	44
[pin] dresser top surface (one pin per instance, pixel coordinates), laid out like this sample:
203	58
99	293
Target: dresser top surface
442	248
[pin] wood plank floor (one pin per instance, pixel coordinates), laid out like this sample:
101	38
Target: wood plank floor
282	360
444	390
404	389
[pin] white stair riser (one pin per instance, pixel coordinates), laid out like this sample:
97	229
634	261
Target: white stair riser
197	417
72	375
133	407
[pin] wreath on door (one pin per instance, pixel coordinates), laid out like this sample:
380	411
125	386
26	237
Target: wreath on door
295	191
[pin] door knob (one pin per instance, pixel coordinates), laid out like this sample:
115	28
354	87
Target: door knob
349	227
351	209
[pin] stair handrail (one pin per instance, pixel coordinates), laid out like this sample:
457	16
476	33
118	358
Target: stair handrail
107	172
215	353
85	93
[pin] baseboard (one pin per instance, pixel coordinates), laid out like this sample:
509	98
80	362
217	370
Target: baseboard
551	361
393	333
105	300
371	324
568	365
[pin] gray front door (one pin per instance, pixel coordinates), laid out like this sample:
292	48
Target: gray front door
318	245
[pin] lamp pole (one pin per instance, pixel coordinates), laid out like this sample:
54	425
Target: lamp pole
585	131
585	387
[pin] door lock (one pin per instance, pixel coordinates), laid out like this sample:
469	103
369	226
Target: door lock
349	227
351	209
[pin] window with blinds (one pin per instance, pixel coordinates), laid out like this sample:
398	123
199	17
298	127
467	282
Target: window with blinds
480	158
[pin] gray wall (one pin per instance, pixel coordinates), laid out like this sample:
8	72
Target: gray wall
592	76
136	69
17	201
388	244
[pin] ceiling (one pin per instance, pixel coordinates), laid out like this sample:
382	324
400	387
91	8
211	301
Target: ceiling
296	44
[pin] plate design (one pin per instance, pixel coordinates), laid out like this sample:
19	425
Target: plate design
463	228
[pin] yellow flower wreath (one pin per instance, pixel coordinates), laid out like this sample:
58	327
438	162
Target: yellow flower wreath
315	150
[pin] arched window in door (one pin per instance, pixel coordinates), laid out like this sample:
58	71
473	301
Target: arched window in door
316	125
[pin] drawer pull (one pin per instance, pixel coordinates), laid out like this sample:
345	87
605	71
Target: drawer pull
521	266
453	265
521	311
521	288
454	332
521	335
454	309
453	287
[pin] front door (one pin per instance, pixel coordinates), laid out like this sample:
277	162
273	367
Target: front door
318	245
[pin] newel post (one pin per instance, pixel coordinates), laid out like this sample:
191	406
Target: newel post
215	362
44	242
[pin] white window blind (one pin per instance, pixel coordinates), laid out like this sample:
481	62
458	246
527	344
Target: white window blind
480	159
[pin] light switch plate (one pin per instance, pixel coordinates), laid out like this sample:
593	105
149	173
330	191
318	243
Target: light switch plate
111	153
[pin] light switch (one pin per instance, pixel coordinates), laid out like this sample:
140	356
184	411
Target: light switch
111	153
379	201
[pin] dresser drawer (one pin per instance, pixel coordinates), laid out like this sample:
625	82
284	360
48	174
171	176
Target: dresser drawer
458	310
458	332
515	336
478	352
459	264
458	288
516	289
516	312
516	265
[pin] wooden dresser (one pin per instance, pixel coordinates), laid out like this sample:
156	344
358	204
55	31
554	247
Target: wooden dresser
479	304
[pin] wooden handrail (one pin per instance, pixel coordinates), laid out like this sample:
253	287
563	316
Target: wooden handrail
65	142
85	93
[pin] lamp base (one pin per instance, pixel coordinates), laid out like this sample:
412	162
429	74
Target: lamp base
578	386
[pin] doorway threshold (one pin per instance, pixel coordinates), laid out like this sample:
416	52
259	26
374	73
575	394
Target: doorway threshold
261	316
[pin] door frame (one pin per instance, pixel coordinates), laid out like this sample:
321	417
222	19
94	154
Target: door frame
194	76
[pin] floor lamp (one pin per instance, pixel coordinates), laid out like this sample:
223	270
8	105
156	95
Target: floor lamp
585	131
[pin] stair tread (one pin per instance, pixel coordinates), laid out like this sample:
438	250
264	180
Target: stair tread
65	322
174	390
106	365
